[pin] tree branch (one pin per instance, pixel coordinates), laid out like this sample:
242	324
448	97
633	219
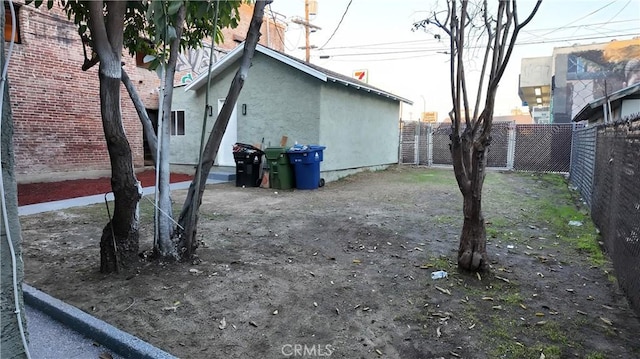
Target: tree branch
98	30
147	125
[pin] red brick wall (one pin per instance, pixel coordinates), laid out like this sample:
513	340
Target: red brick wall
273	37
56	105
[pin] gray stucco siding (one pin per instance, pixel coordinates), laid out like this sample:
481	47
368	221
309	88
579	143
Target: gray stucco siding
359	129
281	101
184	149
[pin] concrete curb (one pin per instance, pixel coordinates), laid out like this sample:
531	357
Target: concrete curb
120	342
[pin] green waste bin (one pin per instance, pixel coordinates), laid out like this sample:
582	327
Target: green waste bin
280	171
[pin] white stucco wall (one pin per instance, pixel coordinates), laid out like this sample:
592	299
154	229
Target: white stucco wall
184	149
536	71
360	129
281	101
629	107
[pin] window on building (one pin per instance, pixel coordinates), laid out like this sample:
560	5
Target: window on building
576	65
177	123
9	25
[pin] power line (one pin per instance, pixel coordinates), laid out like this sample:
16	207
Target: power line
409	51
339	23
583	17
357	46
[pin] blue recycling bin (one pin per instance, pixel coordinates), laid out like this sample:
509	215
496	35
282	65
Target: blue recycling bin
306	165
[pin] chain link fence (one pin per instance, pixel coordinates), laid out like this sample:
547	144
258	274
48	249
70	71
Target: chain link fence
583	160
615	202
542	148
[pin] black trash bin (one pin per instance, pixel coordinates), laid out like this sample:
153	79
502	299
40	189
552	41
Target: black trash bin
248	160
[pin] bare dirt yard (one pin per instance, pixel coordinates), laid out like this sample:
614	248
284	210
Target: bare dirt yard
345	272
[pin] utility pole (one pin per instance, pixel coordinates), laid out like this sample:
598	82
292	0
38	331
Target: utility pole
307	27
306	31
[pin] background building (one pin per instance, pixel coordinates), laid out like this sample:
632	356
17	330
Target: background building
557	87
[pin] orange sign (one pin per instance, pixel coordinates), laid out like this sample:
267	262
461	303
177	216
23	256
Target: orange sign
362	75
429	117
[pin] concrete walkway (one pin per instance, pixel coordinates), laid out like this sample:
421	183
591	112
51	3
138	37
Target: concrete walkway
58	330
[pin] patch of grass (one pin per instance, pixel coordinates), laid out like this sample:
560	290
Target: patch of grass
439	263
583	237
431	176
504	338
446	219
595	355
512	298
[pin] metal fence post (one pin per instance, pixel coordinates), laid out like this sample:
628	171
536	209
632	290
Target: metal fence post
511	147
416	148
429	145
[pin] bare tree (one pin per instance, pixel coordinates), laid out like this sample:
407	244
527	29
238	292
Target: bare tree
465	21
188	220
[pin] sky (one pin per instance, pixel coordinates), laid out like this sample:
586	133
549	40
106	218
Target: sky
377	36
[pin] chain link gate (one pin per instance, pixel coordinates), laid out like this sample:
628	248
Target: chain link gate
542	148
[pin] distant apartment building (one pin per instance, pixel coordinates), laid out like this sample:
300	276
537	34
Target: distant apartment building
557	87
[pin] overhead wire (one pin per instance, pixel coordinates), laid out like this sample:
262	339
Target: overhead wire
446	49
338	26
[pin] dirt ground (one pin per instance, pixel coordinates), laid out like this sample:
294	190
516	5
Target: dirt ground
345	272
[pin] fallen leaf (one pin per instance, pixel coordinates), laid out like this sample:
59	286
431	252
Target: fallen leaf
223	323
581	312
357	261
539	314
542	322
252	323
497	307
487	298
523	306
275	312
606	321
194	271
105	355
472	326
479	277
438	332
503	279
443	290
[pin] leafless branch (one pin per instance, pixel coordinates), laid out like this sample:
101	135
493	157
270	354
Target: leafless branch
147	126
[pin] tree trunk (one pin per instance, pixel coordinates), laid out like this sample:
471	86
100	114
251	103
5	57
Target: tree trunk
166	246
189	215
119	242
147	125
472	252
11	344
